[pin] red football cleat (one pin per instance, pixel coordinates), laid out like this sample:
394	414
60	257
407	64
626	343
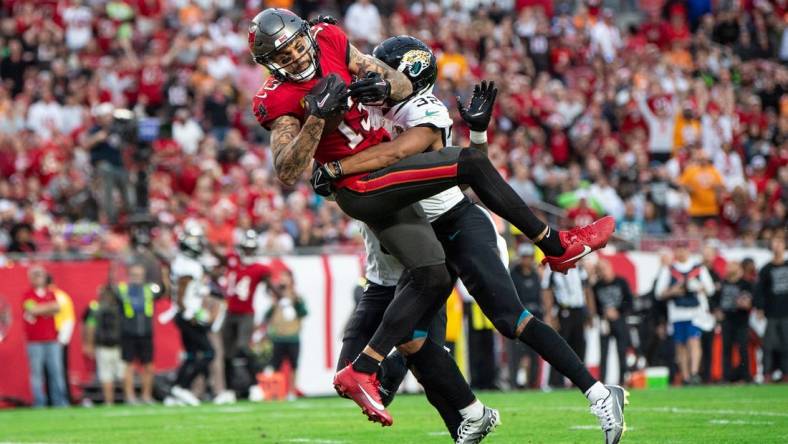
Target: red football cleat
363	388
579	242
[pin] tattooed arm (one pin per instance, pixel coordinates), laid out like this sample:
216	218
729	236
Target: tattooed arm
293	146
359	64
413	141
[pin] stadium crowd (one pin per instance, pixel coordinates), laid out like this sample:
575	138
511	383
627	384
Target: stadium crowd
674	124
671	119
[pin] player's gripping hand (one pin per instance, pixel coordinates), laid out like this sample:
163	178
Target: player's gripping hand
322	181
479	111
372	90
323	19
328	98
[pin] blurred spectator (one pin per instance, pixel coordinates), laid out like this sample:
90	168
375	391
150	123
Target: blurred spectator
710	260
283	324
21	239
43	349
703	183
65	320
275	240
136	298
736	299
568	305
101	340
613	299
363	22
770	297
685	285
105	145
523	360
661	124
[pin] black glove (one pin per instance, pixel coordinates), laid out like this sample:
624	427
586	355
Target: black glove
479	111
321	181
371	90
328	98
323	19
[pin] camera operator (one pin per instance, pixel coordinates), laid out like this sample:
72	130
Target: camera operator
105	143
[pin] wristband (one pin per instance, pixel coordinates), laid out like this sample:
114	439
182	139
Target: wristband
337	168
478	137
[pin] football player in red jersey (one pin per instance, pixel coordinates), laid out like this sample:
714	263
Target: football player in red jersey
243	277
295	105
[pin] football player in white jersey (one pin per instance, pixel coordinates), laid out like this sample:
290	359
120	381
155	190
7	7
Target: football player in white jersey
473	253
192	319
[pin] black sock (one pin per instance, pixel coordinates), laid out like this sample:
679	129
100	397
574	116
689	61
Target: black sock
554	349
550	243
436	371
475	169
365	363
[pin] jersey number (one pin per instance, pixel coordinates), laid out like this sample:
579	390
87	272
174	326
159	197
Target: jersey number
353	138
241	288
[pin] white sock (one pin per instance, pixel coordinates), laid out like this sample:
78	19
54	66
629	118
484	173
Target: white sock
473	411
596	392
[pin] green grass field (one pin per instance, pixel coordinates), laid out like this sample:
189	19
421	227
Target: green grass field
738	414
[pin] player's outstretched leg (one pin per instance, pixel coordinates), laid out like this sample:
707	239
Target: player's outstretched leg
424	175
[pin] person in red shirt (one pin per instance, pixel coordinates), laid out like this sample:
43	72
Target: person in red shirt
244	276
43	349
582	213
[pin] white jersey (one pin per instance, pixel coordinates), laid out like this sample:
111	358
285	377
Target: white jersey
426	110
185	266
420	110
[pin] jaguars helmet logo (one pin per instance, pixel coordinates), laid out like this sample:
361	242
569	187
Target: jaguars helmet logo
414	62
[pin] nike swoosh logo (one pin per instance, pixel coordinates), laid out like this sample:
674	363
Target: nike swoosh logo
453	235
586	250
323	102
374	403
430	113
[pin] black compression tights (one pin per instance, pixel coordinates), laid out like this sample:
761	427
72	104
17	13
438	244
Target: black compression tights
475	169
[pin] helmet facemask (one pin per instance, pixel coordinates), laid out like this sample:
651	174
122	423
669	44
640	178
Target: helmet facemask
280	70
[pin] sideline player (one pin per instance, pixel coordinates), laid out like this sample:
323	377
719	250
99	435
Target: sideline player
295	103
192	319
243	277
467	235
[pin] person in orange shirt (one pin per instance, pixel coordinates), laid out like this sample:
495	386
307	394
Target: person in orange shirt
452	64
686	131
703	183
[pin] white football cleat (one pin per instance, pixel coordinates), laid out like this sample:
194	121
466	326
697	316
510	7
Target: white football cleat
610	412
225	397
186	396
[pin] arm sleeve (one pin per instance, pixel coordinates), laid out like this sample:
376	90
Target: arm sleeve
663	282
546	279
300	308
644	109
707	282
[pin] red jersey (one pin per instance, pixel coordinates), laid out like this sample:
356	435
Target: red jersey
359	128
39	328
242	282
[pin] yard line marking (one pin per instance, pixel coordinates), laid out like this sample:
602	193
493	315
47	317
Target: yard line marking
738	422
593	427
682	410
316	441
